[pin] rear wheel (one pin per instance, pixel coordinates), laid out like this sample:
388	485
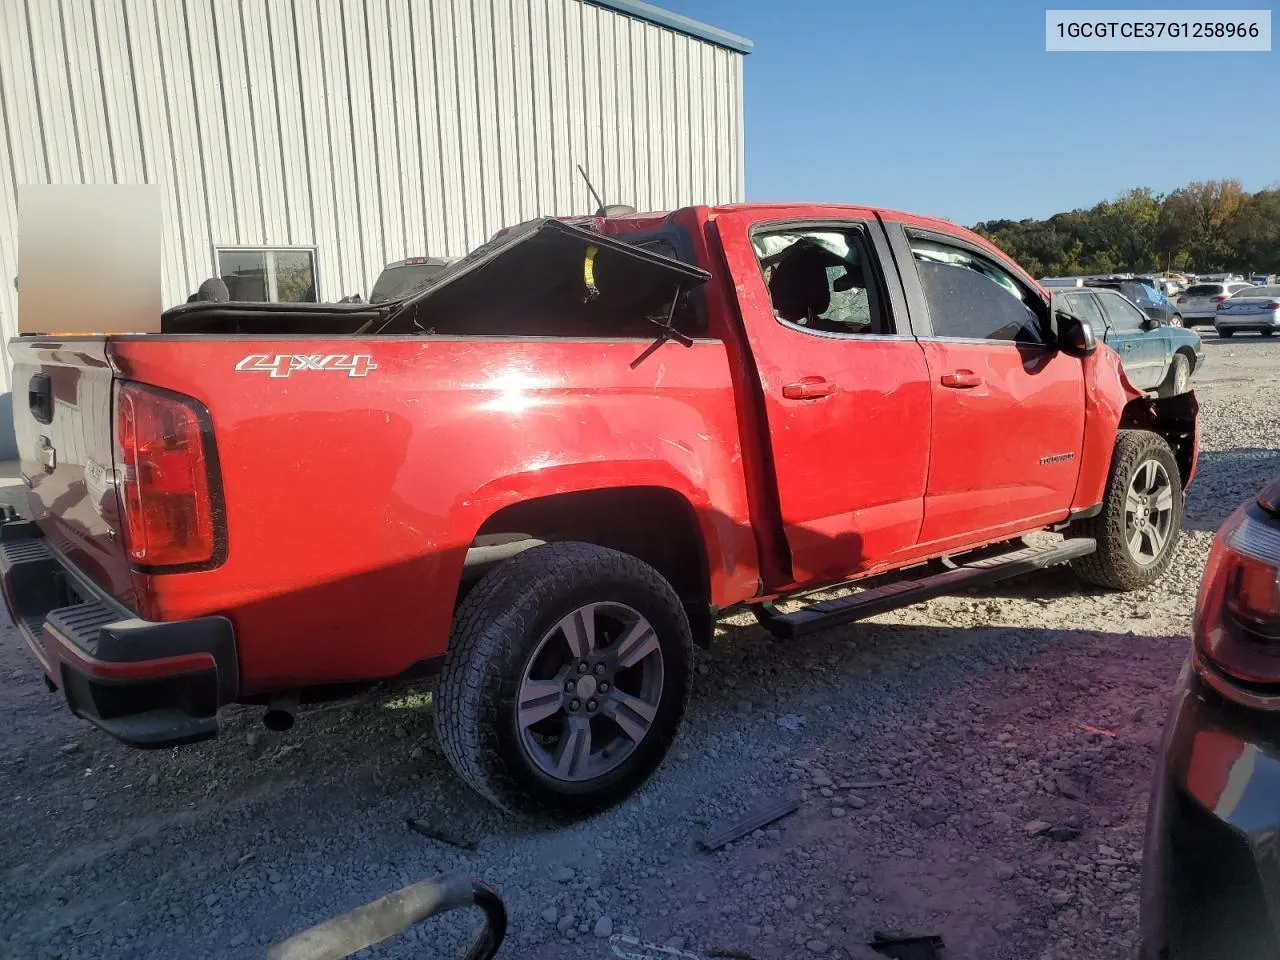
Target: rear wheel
1267	333
565	681
1226	334
1141	516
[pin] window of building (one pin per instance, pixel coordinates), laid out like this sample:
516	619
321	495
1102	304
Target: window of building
820	280
970	298
269	275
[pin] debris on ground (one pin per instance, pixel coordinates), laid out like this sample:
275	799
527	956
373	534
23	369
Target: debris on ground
736	828
443	836
908	948
628	948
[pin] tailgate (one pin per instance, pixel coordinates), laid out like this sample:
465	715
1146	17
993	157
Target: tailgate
62	413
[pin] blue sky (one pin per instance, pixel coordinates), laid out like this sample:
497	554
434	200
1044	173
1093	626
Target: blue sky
933	108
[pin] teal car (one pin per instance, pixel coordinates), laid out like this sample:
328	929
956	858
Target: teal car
1156	356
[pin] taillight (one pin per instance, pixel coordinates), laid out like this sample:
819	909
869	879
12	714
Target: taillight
1237	621
1273	305
1219	299
164	452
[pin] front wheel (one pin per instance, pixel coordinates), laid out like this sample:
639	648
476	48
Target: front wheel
1141	516
1176	321
1267	333
1178	380
565	681
1226	334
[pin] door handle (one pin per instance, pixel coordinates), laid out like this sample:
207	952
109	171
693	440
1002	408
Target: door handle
810	388
961	379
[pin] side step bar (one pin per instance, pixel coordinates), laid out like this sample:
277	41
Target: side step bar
868	603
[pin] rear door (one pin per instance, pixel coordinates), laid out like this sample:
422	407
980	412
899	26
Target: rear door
1008	408
845	387
62	416
1144	351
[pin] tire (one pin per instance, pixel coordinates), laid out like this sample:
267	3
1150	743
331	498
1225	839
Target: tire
1226	334
1116	564
1176	320
509	635
1266	333
1178	379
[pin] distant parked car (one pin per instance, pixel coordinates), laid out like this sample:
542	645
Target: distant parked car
1198	304
1262	279
1156	356
405	276
1146	294
1253	308
1210	871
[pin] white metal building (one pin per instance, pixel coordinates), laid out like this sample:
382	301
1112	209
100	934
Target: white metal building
304	144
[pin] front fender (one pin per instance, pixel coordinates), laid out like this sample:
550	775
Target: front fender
1107	392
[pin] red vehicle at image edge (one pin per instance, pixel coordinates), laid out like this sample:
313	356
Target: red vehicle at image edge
543	475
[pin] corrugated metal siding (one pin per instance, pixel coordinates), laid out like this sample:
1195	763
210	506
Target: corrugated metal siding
371	130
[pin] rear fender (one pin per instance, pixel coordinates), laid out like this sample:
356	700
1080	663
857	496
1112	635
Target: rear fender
729	548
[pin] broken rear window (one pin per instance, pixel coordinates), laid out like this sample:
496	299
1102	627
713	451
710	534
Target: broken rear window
546	278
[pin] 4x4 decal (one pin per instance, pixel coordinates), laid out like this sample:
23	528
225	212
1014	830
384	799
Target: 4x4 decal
285	364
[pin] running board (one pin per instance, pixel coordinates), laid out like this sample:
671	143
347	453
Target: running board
903	593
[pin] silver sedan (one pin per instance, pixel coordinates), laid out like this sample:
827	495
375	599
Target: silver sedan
1253	308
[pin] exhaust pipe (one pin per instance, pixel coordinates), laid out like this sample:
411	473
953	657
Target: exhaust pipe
280	711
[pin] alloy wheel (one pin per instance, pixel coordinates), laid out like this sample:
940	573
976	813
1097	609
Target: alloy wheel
590	692
1148	512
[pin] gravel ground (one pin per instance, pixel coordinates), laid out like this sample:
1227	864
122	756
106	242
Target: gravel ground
975	766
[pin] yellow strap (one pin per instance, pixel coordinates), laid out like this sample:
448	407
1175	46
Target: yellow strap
589	272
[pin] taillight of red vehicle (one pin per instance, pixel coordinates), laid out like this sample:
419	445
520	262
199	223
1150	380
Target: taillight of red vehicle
169	487
1237	621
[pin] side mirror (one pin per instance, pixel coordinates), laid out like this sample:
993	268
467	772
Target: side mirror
1075	335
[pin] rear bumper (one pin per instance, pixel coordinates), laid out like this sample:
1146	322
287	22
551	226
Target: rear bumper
148	684
1211	866
1259	322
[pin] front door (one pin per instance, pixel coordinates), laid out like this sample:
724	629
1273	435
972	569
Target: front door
1143	348
845	389
1008	408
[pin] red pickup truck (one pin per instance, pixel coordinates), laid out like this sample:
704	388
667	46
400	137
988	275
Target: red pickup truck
543	476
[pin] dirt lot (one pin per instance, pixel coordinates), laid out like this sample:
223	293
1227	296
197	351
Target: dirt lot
1013	731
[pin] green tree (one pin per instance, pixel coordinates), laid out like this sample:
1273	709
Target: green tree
1127	227
1201	211
1207	225
1253	233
